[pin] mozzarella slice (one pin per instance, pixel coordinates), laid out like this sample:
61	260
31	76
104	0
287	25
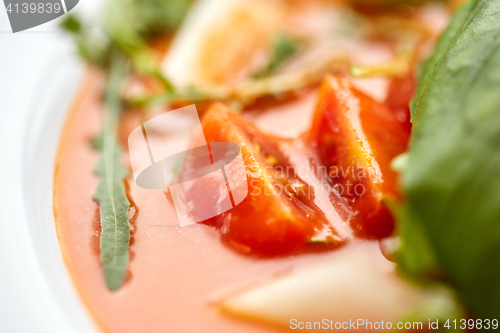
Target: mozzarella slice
220	41
359	284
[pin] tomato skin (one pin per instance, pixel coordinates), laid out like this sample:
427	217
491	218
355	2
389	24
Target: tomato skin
353	132
399	95
270	220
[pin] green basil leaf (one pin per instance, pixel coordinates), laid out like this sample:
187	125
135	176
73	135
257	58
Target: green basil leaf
110	193
450	221
429	68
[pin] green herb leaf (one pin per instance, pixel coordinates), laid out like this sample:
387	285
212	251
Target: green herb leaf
282	50
450	222
114	205
72	24
155	17
126	28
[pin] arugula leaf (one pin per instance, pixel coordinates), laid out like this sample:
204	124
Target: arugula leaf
450	222
127	27
123	34
110	193
283	49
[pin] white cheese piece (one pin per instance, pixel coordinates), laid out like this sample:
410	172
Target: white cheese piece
177	64
359	284
222	38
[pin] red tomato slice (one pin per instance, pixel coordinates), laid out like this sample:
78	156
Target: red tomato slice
357	138
278	215
400	93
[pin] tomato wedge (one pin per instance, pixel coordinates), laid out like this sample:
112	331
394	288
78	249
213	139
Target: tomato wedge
400	93
278	215
356	139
